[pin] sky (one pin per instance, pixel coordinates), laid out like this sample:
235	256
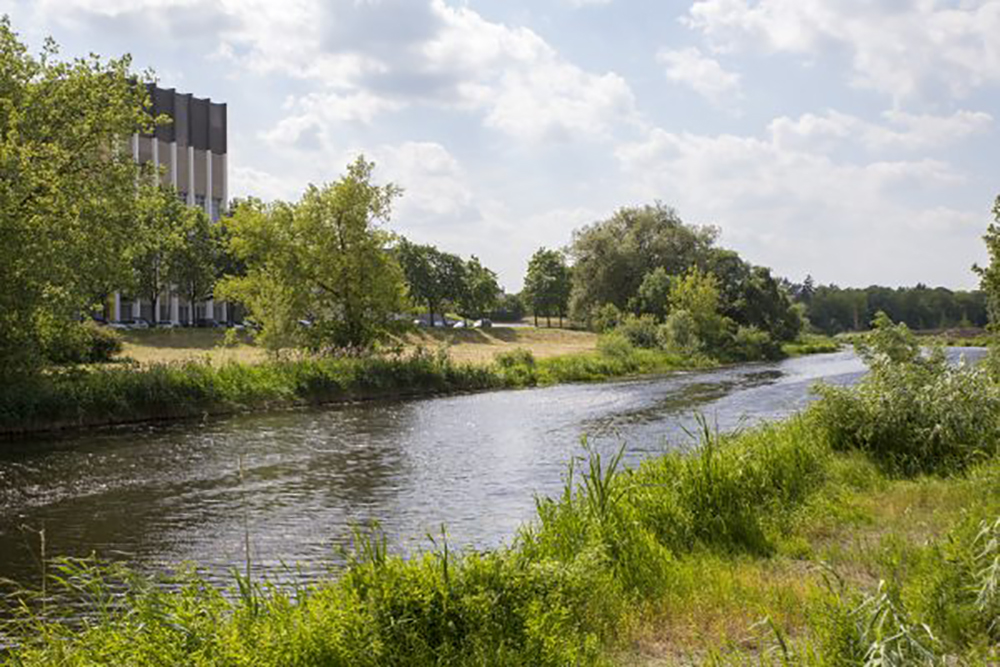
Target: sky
855	141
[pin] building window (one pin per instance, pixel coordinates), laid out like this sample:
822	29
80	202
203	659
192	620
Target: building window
216	209
183	196
199	201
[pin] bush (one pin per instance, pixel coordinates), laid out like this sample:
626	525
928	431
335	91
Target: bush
615	345
605	318
81	343
752	344
679	333
912	413
639	330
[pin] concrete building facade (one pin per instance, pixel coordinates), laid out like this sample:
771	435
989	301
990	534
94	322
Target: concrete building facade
191	154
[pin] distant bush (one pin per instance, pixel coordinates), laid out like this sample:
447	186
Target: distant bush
752	344
615	345
639	330
605	318
81	343
679	333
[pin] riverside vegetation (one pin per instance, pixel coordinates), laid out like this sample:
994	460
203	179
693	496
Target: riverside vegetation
863	531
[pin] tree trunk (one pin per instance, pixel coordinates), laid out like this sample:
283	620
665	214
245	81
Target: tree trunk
548	321
536	319
430	313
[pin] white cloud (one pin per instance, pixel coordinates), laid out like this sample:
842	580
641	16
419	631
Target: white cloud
369	58
904	131
800	210
899	48
701	73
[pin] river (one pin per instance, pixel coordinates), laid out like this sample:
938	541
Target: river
158	495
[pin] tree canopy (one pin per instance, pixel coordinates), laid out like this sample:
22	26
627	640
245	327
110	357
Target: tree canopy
547	284
319	272
67	188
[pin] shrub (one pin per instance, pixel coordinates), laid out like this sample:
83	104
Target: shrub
752	344
639	330
605	318
679	333
615	345
912	413
81	343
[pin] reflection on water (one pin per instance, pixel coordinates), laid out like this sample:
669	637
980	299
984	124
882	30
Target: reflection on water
157	495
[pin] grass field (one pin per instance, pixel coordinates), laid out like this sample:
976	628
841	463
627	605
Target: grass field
469	345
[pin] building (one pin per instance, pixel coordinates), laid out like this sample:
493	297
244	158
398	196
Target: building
191	153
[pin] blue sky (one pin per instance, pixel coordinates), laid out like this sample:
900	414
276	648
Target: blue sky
853	140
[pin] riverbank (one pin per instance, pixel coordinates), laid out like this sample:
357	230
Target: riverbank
115	394
781	545
866	528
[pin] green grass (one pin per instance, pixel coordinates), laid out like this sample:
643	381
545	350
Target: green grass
810	344
88	396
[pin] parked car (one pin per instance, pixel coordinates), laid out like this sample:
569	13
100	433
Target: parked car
458	325
483	324
133	324
205	323
165	324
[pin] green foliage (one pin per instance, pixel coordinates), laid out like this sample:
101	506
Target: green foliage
752	344
194	262
989	276
323	260
912	413
606	318
547	284
612	257
68	190
481	291
831	309
615	345
653	297
122	394
433	277
639	330
79	343
680	333
509	308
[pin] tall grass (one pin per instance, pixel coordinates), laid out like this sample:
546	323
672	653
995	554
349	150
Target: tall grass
87	396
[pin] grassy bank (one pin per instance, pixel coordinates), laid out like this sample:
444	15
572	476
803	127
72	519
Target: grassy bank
852	534
100	395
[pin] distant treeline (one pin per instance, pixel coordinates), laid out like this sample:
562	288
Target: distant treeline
833	309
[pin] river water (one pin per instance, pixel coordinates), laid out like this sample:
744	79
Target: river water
159	495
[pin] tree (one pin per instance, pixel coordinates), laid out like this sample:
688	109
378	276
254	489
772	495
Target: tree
319	271
481	291
989	276
195	257
67	188
612	257
653	296
697	294
433	277
158	233
547	285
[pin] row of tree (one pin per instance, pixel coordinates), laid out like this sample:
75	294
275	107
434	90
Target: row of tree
833	309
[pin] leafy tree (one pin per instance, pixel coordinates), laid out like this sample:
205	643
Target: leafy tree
989	276
612	257
194	260
547	285
697	294
509	308
324	260
158	235
481	291
67	188
653	297
433	277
